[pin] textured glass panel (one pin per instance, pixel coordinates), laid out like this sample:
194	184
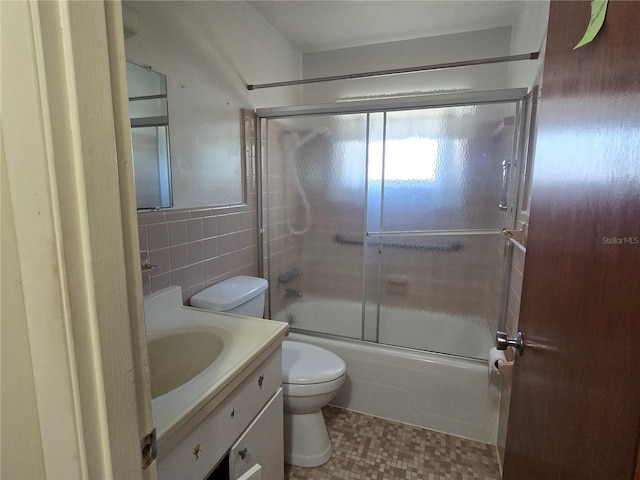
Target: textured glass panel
443	168
427	169
373	264
441	293
316	221
373	253
374	171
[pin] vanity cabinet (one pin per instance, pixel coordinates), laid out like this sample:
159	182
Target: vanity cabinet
247	425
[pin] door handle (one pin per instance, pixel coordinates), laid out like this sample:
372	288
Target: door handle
503	341
504	205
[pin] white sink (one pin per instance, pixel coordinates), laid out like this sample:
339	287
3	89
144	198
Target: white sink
178	356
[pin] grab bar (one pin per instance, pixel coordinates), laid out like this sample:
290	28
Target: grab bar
287	276
292	293
445	247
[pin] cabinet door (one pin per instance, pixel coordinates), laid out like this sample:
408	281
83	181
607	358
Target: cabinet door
261	443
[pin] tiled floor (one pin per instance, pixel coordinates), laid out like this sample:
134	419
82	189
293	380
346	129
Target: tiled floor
369	448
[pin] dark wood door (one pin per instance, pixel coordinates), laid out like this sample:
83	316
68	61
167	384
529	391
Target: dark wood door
575	409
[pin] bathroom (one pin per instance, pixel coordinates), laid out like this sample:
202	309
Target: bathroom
197	247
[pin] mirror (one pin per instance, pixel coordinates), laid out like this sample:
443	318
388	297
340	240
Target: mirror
205	58
150	137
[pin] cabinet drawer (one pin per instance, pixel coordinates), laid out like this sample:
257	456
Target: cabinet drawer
196	455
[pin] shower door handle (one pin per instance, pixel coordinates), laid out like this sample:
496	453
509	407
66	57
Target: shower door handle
503	205
503	341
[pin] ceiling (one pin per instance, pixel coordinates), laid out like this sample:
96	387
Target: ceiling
319	25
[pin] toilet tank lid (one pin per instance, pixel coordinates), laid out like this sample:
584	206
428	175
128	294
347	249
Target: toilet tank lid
229	293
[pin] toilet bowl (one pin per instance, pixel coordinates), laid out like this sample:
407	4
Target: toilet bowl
311	376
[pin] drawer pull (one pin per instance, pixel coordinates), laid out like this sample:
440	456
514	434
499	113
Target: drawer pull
233	413
243	453
196	451
260	381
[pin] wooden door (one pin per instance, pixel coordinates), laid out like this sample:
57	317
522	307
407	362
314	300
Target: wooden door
576	394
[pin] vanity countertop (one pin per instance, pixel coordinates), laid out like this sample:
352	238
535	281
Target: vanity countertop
245	339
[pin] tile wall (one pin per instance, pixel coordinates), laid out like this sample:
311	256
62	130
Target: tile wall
323	268
195	248
511	327
515	291
282	248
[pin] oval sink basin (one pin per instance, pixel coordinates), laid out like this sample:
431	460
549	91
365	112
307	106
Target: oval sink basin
177	357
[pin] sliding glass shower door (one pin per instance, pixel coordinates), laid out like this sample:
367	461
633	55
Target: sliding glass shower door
314	174
435	187
385	226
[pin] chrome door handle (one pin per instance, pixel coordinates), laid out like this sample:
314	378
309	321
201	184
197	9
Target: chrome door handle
503	341
504	205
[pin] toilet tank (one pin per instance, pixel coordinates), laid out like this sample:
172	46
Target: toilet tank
241	295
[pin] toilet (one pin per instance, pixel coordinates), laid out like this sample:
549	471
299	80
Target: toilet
311	376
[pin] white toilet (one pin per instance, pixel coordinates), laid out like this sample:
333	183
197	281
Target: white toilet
311	376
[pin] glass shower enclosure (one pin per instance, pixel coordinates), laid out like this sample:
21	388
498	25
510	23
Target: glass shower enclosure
382	222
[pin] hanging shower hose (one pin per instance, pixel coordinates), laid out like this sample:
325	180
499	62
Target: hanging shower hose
300	188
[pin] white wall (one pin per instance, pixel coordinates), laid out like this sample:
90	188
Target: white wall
209	51
407	53
528	35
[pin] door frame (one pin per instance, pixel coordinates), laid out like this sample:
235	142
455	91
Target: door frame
74	222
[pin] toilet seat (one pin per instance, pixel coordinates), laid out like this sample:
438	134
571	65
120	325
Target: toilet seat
312	389
306	364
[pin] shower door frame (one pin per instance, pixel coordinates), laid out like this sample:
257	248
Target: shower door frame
519	96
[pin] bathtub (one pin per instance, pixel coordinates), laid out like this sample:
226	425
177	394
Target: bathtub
449	394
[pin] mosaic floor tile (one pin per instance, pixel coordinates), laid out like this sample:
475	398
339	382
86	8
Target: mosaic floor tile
369	448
